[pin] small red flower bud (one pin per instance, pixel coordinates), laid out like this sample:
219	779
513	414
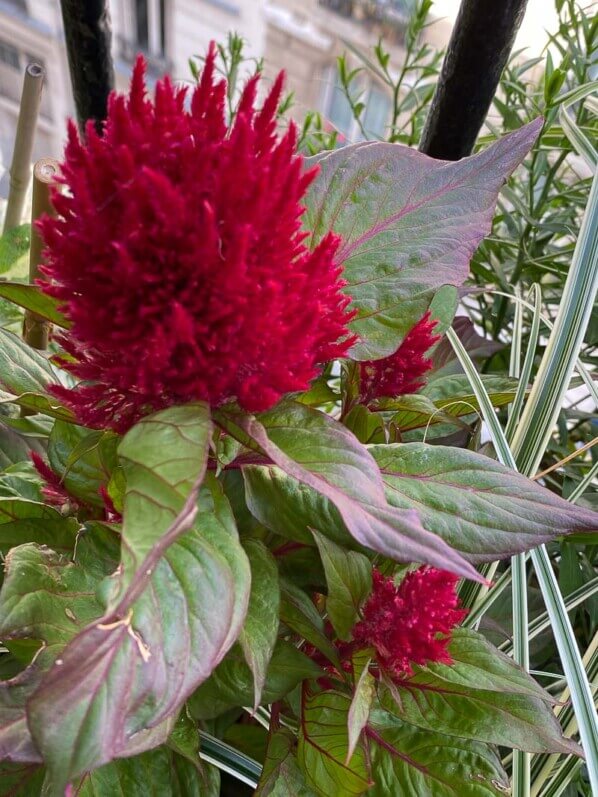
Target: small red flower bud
409	624
402	371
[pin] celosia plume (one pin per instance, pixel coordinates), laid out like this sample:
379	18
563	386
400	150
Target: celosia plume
409	624
177	255
402	371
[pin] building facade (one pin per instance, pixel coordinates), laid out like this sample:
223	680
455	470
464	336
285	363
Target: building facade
304	37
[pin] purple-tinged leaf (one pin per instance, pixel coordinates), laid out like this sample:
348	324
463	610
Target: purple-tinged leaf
410	224
320	453
16	743
115	686
481	508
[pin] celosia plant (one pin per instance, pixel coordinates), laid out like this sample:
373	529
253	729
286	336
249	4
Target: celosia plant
211	570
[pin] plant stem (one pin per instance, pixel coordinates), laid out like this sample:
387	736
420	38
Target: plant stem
36	330
20	169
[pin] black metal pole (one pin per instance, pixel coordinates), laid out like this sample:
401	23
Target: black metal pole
88	33
479	48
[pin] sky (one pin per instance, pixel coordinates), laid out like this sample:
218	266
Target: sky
539	17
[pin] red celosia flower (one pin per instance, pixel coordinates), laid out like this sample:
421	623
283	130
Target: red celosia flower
177	255
401	372
411	623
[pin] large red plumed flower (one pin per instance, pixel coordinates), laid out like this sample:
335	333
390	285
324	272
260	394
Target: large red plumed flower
402	371
409	623
178	256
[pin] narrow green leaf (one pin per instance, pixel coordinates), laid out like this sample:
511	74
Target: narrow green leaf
359	710
31	298
259	632
349	580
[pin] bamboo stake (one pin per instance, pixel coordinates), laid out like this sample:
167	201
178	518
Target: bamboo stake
20	169
36	330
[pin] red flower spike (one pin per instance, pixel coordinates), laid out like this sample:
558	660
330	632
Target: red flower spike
409	624
402	371
178	257
53	490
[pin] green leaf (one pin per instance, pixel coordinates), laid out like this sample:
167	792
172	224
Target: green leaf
161	771
409	225
231	684
324	745
298	613
20	780
320	454
14	246
259	632
480	507
24	521
349	580
437	699
83	465
281	776
361	703
30	297
24	376
429	764
160	637
47	598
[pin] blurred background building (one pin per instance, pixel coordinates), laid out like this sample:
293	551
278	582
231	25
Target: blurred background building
302	36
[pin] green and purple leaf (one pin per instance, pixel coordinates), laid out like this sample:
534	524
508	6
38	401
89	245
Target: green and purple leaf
480	507
160	637
318	453
410	225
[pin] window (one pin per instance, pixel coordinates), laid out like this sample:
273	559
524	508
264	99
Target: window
337	109
150	26
9	55
143	26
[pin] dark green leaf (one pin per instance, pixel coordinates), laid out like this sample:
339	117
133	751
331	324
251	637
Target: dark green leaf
24	521
231	684
298	613
428	764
